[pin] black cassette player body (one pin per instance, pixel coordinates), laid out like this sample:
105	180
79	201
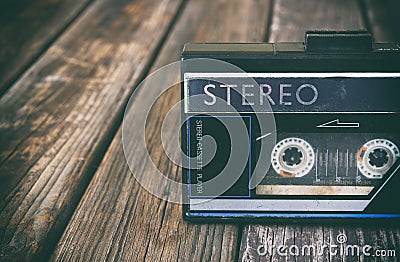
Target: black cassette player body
298	130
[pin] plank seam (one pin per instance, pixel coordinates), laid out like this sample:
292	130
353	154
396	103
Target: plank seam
45	47
109	136
269	21
238	240
365	17
13	191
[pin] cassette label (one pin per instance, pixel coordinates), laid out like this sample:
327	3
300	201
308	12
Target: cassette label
210	162
292	92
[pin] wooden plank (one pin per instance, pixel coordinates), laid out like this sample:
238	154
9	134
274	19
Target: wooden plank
383	17
27	28
58	119
140	226
290	20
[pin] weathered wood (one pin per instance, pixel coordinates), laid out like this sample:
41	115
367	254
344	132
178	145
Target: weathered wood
27	28
57	120
136	225
290	20
384	19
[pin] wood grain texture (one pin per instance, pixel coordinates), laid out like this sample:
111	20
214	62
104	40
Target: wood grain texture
290	20
384	19
58	118
27	28
135	225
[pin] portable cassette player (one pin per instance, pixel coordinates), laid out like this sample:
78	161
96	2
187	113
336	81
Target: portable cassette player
298	130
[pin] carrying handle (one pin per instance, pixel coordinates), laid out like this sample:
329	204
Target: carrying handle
338	41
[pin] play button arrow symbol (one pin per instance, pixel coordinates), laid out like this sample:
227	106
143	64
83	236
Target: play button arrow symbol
337	123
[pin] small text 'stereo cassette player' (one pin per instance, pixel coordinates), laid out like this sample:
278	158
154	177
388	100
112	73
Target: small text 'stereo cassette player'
295	130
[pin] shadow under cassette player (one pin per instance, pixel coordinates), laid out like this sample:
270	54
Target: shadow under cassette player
292	130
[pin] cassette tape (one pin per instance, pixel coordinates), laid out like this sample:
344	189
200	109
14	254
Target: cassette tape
292	130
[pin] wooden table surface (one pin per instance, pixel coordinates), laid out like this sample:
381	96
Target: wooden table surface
67	70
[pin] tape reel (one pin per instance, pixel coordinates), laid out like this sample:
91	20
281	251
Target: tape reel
376	157
292	157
